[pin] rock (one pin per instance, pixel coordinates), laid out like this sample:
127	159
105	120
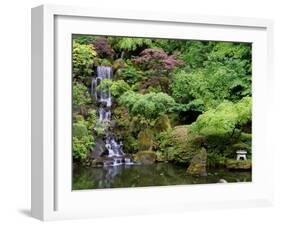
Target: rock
145	157
197	166
222	181
117	64
179	150
238	164
145	139
160	157
99	148
111	161
97	162
163	123
179	133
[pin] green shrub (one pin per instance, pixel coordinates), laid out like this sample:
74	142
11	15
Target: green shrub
116	88
246	137
175	145
105	62
80	95
223	120
79	130
131	144
81	147
83	56
128	44
150	106
82	138
100	129
215	160
91	119
130	74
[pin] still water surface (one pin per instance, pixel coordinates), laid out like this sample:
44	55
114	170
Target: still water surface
158	174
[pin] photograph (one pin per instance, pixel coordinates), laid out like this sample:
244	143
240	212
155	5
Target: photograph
160	112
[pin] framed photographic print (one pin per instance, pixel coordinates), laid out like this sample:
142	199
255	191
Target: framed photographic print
155	112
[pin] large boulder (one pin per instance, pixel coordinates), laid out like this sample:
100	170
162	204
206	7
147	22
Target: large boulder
197	166
145	157
179	133
99	148
145	140
238	164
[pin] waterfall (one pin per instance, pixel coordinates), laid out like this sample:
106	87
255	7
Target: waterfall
104	103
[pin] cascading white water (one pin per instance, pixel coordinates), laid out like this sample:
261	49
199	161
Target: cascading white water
104	101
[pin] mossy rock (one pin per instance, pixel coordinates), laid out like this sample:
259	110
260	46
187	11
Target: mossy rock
145	157
162	124
79	130
145	139
117	64
197	166
160	157
238	164
179	132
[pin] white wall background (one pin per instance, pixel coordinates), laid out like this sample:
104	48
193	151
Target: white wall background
15	112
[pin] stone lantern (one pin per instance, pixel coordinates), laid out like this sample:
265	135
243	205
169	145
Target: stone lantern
241	155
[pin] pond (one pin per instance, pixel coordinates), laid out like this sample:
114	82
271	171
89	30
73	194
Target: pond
159	174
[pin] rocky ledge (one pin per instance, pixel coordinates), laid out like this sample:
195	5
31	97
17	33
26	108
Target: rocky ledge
145	157
111	161
238	164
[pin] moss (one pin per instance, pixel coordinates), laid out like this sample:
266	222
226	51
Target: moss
117	64
145	157
238	164
197	166
162	123
160	157
145	139
79	130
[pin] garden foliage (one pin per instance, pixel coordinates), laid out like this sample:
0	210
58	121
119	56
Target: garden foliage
187	94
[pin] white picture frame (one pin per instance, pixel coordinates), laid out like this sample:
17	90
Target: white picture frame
52	197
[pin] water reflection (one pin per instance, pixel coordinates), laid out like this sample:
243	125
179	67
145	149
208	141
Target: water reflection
147	175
